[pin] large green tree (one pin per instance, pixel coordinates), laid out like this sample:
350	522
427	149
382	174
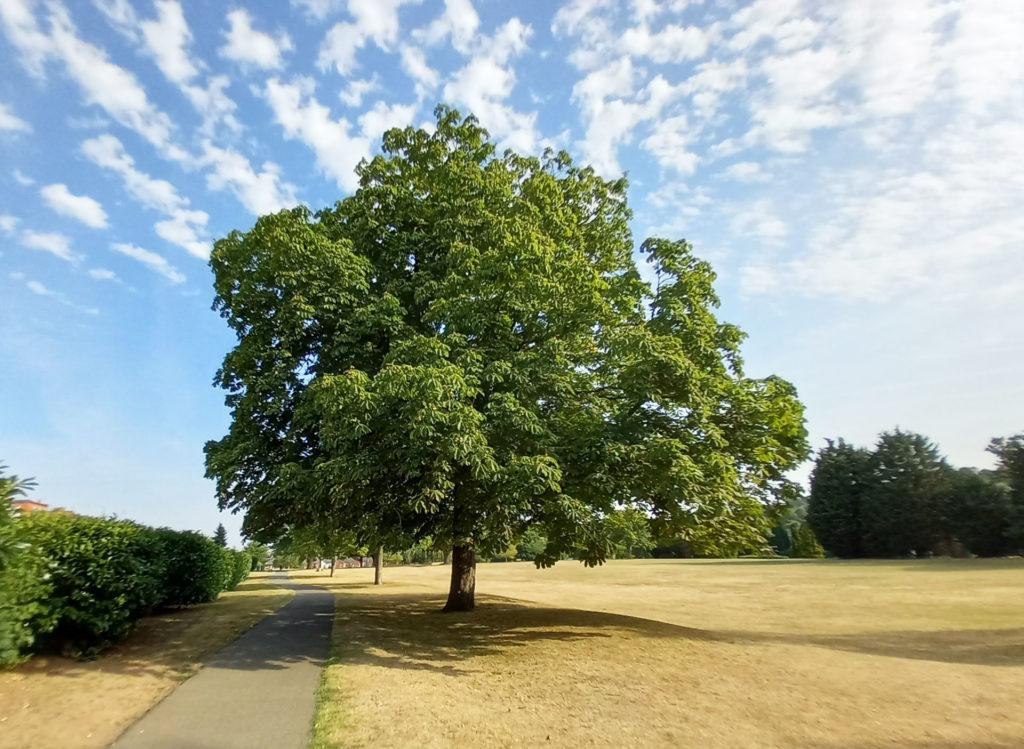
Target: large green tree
464	348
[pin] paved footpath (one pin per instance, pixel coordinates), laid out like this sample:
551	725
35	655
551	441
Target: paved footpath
259	691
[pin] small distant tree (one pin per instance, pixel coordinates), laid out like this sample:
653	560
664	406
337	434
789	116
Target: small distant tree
630	532
220	536
259	553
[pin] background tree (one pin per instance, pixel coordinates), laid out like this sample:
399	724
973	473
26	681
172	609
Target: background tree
629	531
220	536
1009	452
898	507
980	513
837	485
464	348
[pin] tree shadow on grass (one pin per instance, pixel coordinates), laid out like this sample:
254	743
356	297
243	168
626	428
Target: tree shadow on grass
408	631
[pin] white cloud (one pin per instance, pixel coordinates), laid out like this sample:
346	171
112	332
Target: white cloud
459	21
759	219
82	207
8	223
262	192
121	16
22	179
746	171
414	63
16	275
102	274
304	118
167	38
357	89
669	142
151	260
374	20
319	9
34	47
487	80
38	288
248	46
183	226
52	242
383	116
672	43
110	86
9	121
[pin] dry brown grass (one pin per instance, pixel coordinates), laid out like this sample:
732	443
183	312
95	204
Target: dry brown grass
923	653
61	703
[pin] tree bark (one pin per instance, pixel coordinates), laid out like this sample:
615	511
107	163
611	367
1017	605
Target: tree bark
334	562
378	563
462	593
447	556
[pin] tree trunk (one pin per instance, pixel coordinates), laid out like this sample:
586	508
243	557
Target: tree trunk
378	563
334	562
461	595
447	556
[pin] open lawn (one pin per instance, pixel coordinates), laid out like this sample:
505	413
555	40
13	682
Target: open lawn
925	653
60	702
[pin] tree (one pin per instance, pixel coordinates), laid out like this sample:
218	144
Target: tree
259	553
1009	452
465	348
792	535
980	512
838	481
220	537
898	506
629	531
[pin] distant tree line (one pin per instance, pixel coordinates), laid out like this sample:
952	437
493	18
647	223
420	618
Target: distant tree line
904	499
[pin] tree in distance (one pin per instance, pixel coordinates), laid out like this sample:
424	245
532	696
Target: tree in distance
220	536
465	348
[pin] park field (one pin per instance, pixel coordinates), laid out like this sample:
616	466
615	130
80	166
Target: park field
53	702
696	653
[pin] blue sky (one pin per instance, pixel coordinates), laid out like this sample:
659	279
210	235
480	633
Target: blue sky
851	168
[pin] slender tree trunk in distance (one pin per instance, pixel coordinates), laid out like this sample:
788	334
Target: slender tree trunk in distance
462	593
334	561
378	562
447	556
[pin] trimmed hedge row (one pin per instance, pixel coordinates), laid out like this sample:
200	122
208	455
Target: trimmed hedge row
75	584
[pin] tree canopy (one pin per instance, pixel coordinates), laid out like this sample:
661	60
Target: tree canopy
465	348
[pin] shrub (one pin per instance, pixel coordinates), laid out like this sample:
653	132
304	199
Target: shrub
193	567
104	574
23	585
241	561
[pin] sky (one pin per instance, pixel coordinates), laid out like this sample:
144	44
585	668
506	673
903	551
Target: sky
851	168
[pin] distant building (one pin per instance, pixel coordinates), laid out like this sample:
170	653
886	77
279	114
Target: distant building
31	505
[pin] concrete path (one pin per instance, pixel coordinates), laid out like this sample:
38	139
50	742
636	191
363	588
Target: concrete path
256	692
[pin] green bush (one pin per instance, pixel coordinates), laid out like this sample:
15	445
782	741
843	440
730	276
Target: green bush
104	574
193	567
23	587
241	561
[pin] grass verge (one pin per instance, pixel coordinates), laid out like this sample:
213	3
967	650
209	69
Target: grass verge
927	653
59	702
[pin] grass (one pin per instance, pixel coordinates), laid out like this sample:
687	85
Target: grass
60	702
926	653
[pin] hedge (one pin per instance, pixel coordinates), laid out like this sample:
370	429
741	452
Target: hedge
75	584
23	587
